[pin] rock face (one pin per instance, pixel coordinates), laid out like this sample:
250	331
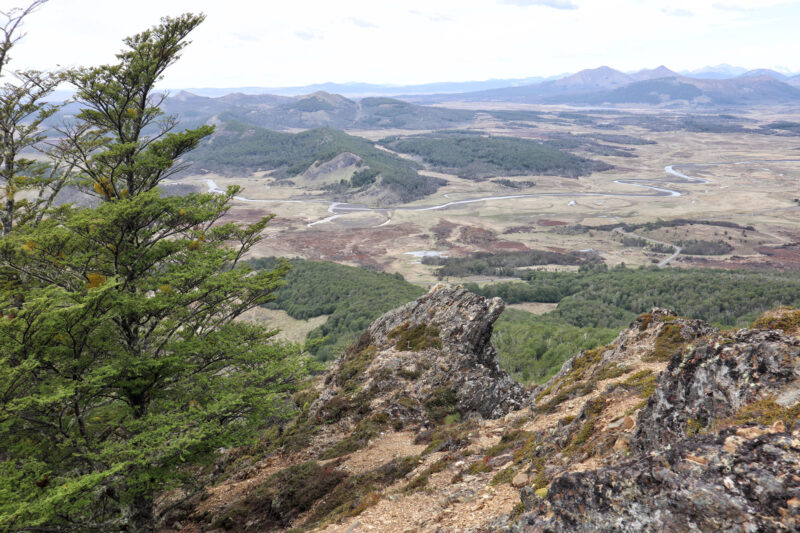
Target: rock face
711	483
429	358
714	378
716	447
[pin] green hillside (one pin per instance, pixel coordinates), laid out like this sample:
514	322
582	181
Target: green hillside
241	148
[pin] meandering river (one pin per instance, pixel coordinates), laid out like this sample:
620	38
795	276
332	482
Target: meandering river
654	188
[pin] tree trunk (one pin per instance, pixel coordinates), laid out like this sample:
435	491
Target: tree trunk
142	519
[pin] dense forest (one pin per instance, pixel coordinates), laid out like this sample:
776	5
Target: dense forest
597	296
504	264
239	147
533	347
594	304
473	156
353	297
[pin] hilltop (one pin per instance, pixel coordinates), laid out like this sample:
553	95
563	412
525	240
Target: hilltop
318	109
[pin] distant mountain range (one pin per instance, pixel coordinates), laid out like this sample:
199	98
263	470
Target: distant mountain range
660	86
340	106
358	90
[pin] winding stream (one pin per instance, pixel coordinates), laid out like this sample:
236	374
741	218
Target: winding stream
656	188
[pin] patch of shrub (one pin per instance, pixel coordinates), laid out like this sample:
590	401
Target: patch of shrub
441	403
668	341
415	338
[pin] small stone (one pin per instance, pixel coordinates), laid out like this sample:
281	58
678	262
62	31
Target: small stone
794	502
729	484
629	422
731	444
697	459
752	432
622	444
520	480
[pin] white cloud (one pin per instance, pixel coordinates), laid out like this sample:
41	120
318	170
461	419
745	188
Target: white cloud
677	12
362	23
308	35
556	4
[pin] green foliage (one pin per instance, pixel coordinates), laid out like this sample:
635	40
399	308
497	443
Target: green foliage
446	436
533	347
473	156
240	147
366	430
363	177
602	297
290	492
503	263
122	366
353	297
784	319
697	247
668	342
441	403
28	186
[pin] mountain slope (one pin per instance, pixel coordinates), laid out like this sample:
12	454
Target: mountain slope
674	426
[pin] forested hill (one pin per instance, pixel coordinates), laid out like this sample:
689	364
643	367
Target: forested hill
319	109
474	156
239	148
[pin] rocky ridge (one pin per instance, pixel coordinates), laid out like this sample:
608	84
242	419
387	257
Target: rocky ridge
434	352
674	426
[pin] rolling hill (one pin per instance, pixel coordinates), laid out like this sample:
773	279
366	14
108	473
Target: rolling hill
361	170
319	109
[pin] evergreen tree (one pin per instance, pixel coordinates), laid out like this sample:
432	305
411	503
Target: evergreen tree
123	366
23	109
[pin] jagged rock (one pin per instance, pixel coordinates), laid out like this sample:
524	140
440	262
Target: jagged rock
697	485
432	354
712	448
713	378
648	339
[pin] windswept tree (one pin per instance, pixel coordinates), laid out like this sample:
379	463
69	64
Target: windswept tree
28	186
124	368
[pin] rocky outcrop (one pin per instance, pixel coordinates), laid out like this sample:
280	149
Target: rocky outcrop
715	448
722	482
430	358
713	379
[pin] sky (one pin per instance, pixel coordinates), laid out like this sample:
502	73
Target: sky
269	43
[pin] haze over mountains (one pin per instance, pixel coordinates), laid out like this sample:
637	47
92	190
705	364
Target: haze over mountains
339	106
660	86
